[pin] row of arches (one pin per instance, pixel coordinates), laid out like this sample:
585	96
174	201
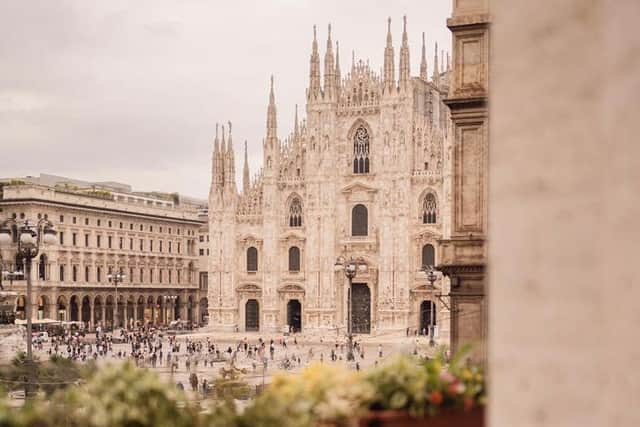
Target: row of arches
101	310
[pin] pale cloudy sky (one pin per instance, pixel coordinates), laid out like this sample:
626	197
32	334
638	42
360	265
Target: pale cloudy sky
130	91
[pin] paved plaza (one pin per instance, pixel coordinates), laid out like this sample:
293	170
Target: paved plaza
290	354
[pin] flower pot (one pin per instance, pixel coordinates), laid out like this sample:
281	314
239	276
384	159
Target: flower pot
446	418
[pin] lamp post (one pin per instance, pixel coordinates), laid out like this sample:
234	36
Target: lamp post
30	238
116	278
350	268
430	271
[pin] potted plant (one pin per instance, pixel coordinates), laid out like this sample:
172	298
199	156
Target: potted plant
409	392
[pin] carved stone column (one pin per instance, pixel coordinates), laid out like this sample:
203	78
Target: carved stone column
463	255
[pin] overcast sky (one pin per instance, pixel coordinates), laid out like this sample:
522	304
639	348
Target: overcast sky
130	91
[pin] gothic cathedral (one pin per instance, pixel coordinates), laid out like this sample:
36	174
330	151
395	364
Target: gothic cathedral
365	177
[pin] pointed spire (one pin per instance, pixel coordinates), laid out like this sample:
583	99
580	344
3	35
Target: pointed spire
296	129
271	116
246	177
442	61
423	60
404	57
215	164
338	74
314	68
404	30
329	68
353	61
230	142
436	71
389	78
223	147
230	165
448	62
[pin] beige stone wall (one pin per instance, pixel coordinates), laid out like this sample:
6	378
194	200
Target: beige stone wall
564	209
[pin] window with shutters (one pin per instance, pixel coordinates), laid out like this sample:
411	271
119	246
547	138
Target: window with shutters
252	259
294	258
428	255
359	221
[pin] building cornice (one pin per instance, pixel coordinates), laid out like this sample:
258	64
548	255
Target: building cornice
4	202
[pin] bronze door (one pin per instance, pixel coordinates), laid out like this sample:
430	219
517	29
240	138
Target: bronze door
252	316
294	315
360	308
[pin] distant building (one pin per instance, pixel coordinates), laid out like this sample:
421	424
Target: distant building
105	228
367	175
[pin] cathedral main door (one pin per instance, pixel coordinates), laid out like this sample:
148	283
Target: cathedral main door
360	308
252	316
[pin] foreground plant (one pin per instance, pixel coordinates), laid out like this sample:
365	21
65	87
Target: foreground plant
116	396
428	386
321	394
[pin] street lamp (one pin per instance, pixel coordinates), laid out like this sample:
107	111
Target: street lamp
350	268
116	278
30	238
430	271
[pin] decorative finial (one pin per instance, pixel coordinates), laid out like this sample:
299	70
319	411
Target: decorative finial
217	125
329	30
271	82
229	127
404	18
314	33
389	24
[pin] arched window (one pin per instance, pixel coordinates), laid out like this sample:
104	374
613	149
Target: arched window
428	255
295	213
429	209
359	221
252	259
294	258
361	150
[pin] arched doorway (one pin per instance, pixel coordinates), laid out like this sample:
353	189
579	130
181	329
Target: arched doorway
204	311
86	310
149	312
252	316
360	308
427	316
140	309
62	308
74	309
176	308
294	315
97	311
122	305
190	309
43	307
160	314
21	304
108	321
130	311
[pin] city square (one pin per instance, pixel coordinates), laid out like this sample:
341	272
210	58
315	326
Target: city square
318	214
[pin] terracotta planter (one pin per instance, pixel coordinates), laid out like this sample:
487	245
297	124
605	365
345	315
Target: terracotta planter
447	418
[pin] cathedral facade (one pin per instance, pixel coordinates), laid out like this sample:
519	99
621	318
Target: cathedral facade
366	176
